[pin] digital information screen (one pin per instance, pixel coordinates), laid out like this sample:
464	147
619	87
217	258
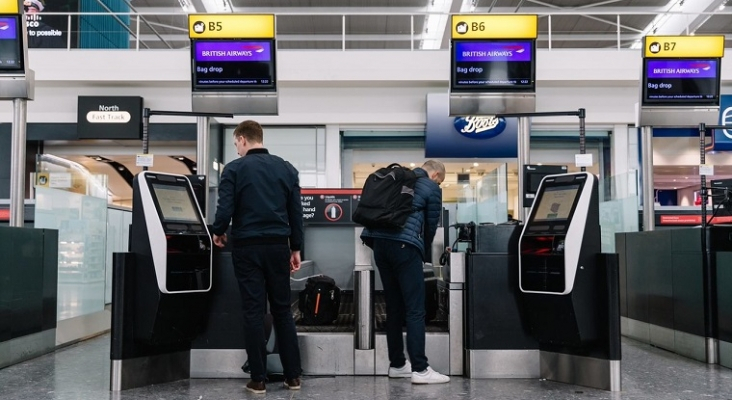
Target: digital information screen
493	65
233	64
175	203
556	203
680	81
10	45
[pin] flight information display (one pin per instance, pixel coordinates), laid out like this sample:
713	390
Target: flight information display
493	66
10	45
233	64
678	81
175	204
556	203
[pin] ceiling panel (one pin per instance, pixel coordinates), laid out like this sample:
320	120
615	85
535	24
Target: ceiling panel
340	4
309	24
319	24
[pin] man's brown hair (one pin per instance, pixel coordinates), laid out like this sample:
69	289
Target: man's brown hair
250	130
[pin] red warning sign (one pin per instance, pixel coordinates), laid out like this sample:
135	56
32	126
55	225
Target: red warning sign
333	212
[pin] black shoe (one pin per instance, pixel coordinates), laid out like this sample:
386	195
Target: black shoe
292	384
256	387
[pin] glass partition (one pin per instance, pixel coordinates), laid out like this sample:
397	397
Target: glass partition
619	202
73	201
485	200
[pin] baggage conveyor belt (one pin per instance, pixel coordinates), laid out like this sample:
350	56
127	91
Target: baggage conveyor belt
346	321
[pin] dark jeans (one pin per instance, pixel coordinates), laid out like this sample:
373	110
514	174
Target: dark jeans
400	267
263	272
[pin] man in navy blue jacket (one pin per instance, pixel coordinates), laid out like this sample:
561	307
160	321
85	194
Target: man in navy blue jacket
261	192
399	255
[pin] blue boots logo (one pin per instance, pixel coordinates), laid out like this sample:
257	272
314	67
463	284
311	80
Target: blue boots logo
480	127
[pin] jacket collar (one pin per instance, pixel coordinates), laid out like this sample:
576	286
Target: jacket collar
259	150
420	172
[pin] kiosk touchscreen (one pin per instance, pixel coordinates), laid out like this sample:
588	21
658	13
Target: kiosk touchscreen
561	234
169	227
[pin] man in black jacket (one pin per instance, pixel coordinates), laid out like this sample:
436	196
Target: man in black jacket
261	192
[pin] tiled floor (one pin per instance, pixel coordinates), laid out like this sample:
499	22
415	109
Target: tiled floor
81	372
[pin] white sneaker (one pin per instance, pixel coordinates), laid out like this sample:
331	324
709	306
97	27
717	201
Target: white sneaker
403	372
429	376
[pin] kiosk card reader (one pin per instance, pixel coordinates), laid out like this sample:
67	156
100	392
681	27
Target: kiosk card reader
562	234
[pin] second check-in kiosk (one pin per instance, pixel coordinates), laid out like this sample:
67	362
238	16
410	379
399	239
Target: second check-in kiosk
161	287
569	288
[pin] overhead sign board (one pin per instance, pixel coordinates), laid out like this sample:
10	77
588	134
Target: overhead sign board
683	46
475	26
682	72
233	63
231	26
225	65
109	117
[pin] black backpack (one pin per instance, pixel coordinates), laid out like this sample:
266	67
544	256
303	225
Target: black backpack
319	301
386	198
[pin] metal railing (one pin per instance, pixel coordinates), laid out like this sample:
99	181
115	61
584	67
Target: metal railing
352	31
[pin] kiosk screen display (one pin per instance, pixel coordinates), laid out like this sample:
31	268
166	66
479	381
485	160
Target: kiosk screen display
493	66
556	203
10	45
233	64
679	82
175	204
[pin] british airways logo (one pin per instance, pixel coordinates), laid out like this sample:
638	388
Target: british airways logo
480	127
701	66
4	26
253	48
504	51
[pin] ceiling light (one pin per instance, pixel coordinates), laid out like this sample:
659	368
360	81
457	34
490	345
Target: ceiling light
187	6
467	170
475	164
412	165
447	185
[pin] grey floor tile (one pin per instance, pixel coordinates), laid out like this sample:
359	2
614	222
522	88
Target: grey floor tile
81	372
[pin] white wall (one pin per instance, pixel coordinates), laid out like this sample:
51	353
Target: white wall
337	87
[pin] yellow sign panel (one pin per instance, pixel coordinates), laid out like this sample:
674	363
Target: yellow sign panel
475	26
9	7
683	46
231	26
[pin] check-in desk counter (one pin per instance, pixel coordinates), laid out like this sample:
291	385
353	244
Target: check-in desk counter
723	263
498	343
669	300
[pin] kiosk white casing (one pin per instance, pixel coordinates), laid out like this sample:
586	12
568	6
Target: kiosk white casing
157	234
573	230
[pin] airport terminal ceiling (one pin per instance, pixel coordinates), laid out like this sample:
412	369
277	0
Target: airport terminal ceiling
386	24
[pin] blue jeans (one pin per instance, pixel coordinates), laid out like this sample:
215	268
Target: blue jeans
400	267
263	272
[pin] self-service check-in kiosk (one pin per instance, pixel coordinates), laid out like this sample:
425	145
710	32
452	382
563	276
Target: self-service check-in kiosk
570	289
161	287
